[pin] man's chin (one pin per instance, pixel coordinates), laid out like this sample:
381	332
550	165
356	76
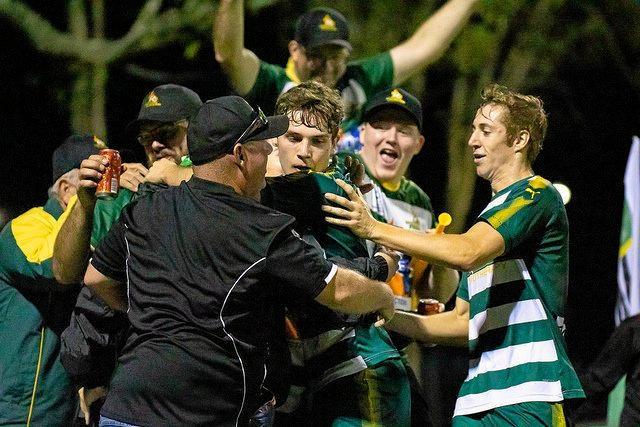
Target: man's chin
386	175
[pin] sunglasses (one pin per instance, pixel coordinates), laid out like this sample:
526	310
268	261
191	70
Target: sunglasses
163	133
259	122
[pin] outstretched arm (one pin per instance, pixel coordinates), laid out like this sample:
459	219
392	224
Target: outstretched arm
481	243
351	292
431	39
239	64
449	328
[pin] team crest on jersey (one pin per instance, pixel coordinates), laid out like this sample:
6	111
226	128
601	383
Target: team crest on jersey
396	97
328	24
152	100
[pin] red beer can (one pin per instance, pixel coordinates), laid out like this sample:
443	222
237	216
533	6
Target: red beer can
428	306
110	183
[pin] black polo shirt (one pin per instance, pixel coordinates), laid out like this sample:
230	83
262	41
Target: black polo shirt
201	265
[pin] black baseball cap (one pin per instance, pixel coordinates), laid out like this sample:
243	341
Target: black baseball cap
73	151
322	26
222	122
395	98
166	103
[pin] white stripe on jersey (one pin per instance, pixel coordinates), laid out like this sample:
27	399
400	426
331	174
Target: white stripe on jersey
497	273
496	202
532	391
508	357
506	314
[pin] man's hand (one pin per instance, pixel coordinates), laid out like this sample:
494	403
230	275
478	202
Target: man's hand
91	170
385	316
356	173
87	397
392	258
132	175
166	171
355	215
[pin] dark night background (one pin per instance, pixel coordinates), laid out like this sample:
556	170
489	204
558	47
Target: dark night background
592	108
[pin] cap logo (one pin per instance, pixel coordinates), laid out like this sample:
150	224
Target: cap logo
152	100
98	143
328	24
396	97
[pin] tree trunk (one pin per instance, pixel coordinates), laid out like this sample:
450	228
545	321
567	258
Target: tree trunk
81	99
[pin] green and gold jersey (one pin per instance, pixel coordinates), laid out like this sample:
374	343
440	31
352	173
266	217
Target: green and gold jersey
517	352
362	79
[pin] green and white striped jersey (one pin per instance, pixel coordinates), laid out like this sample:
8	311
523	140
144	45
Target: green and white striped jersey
517	352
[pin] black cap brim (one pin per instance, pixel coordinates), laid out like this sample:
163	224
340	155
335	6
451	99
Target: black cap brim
277	125
133	127
335	42
389	105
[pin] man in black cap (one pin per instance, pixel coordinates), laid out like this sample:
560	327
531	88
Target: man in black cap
161	128
34	307
320	51
89	345
390	137
201	284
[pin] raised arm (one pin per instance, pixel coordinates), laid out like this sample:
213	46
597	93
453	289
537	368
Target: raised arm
72	245
431	39
351	292
481	243
239	64
449	328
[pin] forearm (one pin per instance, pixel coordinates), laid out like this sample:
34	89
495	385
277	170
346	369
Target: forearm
449	250
431	39
376	268
72	246
228	30
240	64
445	328
351	292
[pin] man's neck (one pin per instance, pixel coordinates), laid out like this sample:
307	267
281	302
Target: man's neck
502	181
220	172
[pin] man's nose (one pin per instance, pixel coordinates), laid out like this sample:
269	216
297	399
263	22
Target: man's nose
157	145
391	134
303	150
473	140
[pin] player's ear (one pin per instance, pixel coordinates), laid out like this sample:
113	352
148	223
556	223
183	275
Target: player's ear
238	155
295	49
521	140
